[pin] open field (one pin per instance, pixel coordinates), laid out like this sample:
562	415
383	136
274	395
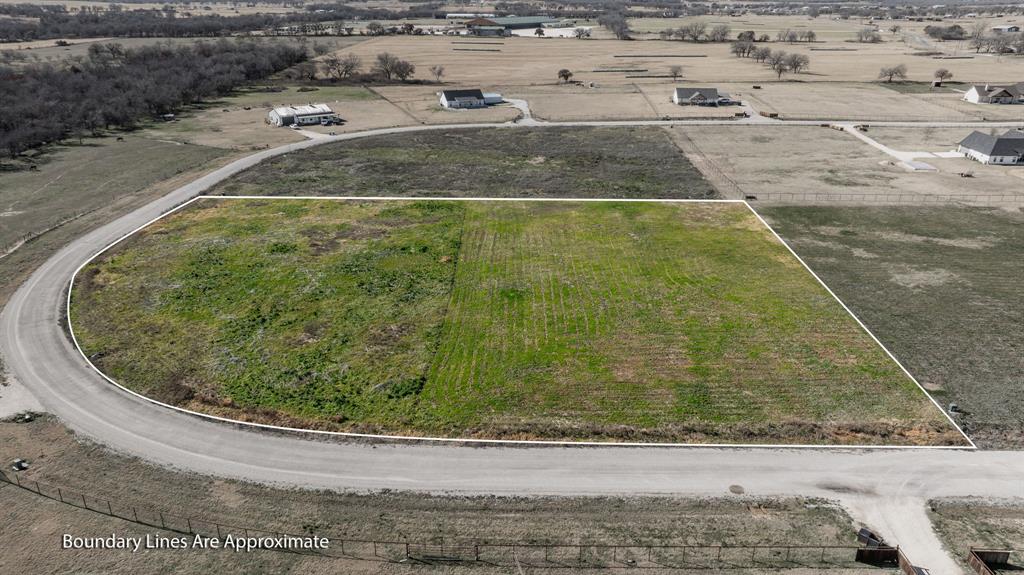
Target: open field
804	164
227	123
632	77
74	179
493	319
535	162
75	464
529	61
844	100
940	288
968	522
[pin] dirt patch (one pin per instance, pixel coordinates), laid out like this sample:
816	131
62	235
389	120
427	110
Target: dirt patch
915	277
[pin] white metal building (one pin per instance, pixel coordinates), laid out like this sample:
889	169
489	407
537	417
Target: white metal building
301	115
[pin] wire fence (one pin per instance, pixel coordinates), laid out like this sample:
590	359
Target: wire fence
500	554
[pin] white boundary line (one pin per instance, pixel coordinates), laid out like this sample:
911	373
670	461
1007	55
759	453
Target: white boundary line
525	442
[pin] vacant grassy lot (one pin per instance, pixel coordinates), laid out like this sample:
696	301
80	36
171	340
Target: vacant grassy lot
941	288
548	162
77	465
77	178
647	321
966	523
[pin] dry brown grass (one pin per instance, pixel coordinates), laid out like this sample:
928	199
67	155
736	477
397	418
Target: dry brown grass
813	164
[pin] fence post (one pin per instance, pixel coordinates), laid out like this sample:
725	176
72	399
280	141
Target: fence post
189	522
84	502
135	514
60	495
38	490
162	524
110	510
218	537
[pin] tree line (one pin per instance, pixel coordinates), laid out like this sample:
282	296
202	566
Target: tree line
117	87
34	22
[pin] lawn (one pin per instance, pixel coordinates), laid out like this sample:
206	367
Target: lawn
941	288
548	162
551	320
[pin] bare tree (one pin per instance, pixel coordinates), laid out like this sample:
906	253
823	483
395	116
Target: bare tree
1000	44
617	24
797	62
581	33
893	72
780	67
742	48
305	71
868	35
773	57
895	29
389	66
438	72
761	54
350	65
564	75
404	70
719	33
942	75
539	31
675	71
333	66
694	30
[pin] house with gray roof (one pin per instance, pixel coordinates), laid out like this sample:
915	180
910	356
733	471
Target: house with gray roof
503	26
700	97
1006	149
991	94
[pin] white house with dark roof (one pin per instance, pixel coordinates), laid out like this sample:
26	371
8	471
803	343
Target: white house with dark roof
992	94
462	99
473	98
700	97
1006	149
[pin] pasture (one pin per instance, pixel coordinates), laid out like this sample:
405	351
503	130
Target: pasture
940	287
512	162
603	321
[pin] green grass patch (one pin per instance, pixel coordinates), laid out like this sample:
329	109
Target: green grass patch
567	320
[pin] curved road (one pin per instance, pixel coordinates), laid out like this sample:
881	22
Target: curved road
883	488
